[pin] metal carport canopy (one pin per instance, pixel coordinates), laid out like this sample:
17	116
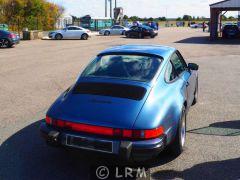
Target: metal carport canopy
216	9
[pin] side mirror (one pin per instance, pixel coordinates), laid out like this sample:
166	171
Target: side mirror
193	66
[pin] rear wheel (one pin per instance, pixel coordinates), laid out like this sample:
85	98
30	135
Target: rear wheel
178	144
4	43
84	37
58	37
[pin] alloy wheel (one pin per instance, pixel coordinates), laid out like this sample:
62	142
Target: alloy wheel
4	43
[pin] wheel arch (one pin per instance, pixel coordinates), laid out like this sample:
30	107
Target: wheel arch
58	33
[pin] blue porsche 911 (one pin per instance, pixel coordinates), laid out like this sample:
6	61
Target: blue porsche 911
131	101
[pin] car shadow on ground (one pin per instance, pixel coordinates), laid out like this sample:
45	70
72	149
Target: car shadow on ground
48	39
227	169
206	40
25	155
225	128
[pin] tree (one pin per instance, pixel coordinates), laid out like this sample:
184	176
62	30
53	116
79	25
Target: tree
231	18
224	17
150	19
33	14
187	18
134	18
179	19
125	17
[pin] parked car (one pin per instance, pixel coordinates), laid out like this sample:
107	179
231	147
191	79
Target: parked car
152	25
8	39
230	31
199	25
4	27
131	101
141	32
70	32
114	30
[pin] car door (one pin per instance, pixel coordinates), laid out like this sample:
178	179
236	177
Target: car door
182	72
134	31
114	30
119	30
74	33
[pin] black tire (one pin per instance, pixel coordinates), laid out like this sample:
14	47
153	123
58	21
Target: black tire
195	100
107	33
178	144
5	43
84	36
128	35
58	37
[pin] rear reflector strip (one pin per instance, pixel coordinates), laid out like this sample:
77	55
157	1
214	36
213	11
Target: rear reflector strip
99	130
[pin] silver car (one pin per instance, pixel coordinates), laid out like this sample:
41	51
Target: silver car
70	32
114	30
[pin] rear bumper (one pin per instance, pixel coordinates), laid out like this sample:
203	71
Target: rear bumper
138	150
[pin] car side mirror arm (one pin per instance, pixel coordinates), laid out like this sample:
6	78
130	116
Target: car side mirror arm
193	66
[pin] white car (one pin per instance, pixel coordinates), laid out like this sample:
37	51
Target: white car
115	30
70	32
200	25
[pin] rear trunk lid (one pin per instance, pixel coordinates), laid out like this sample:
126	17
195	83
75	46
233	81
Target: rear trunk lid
104	104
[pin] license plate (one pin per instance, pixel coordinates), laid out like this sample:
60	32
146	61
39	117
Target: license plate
89	143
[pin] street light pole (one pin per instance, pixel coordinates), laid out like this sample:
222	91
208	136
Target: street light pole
110	9
106	8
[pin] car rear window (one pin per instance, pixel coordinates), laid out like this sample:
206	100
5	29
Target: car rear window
110	89
130	67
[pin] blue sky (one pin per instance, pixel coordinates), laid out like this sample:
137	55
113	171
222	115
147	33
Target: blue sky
141	8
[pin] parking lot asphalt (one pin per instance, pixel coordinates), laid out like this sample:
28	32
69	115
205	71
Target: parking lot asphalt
34	73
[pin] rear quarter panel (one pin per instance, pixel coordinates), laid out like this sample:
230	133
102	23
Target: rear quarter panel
163	106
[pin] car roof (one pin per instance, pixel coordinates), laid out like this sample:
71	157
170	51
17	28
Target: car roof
75	26
157	50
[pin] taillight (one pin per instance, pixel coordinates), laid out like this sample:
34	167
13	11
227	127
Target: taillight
12	36
48	120
115	133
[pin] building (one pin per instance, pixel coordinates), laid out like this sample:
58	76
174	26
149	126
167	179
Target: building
93	23
216	11
64	21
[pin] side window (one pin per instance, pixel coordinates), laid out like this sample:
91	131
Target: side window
134	28
178	63
170	74
73	28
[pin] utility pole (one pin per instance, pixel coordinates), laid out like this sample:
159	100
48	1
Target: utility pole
106	7
110	9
